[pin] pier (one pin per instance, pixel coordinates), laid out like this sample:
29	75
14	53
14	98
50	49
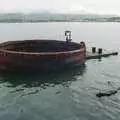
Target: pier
93	54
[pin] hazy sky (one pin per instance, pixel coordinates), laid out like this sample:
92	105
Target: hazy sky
83	6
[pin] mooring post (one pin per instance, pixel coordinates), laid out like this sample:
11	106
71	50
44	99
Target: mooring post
100	51
93	49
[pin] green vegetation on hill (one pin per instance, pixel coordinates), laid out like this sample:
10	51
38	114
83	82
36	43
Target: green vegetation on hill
49	17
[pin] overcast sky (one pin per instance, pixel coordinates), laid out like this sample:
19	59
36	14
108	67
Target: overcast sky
83	6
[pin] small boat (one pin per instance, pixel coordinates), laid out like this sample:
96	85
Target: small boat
41	54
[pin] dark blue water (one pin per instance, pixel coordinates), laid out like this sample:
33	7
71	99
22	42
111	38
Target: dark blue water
68	94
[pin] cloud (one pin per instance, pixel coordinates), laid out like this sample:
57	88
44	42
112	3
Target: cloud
71	6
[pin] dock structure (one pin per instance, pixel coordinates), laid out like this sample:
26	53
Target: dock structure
99	54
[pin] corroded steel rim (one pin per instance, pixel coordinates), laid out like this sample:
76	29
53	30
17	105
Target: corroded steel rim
37	53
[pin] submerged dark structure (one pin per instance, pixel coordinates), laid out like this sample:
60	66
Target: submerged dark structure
41	55
107	93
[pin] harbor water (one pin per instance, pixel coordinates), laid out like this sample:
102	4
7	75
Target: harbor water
67	94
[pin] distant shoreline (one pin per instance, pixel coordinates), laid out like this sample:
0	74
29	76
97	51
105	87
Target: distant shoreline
51	17
60	21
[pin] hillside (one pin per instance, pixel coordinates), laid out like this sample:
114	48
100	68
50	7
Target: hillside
50	17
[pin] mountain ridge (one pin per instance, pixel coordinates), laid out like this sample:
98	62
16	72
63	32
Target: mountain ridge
48	16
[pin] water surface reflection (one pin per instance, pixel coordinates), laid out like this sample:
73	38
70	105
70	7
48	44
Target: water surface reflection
21	81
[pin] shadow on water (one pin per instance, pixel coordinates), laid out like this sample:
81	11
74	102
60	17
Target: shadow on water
64	77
